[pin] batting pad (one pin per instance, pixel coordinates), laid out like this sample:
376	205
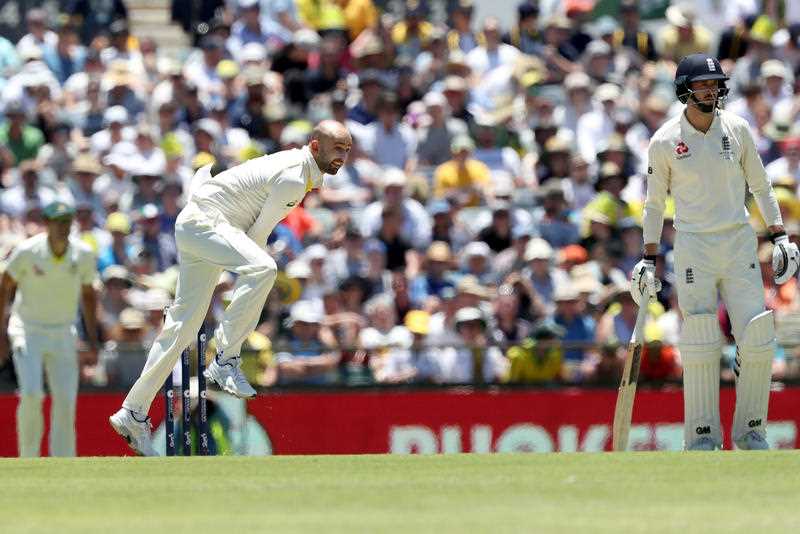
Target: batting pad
754	373
700	345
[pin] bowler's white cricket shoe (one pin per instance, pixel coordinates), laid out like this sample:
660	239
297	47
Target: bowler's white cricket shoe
752	441
135	432
702	444
229	377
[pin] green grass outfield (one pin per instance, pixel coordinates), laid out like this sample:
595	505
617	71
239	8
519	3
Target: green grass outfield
631	492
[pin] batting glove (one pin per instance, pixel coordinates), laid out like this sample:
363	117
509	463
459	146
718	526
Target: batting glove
644	280
785	258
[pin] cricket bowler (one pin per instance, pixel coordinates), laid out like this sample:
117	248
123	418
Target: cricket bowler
224	227
46	277
707	159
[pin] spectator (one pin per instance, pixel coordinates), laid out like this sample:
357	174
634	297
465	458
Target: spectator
463	176
538	358
417	364
474	361
307	360
436	273
683	36
578	330
22	139
389	142
508	328
27	191
384	339
435	138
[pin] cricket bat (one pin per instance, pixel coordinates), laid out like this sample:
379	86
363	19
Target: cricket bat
627	387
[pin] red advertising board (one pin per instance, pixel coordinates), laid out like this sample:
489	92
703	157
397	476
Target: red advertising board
455	420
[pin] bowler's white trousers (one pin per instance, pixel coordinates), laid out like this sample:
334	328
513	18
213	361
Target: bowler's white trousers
207	245
50	349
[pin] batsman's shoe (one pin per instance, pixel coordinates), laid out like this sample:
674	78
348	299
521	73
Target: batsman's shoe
702	444
752	441
229	377
136	433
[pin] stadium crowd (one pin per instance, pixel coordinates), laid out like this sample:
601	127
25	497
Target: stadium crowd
484	227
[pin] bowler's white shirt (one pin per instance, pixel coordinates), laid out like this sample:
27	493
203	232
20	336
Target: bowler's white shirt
707	174
256	195
48	288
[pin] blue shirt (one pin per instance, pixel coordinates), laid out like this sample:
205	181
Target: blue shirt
579	330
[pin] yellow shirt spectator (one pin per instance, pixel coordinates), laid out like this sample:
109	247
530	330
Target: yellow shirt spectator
358	16
462	174
321	14
532	362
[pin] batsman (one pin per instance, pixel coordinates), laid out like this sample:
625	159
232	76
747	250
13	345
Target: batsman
224	227
707	159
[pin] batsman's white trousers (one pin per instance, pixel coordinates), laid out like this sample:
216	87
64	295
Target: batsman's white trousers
39	349
713	264
207	245
709	265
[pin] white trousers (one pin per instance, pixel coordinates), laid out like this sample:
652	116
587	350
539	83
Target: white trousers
707	266
713	264
38	350
207	245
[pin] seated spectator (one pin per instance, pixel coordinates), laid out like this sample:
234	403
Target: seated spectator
538	358
17	134
463	176
416	223
476	261
398	250
306	360
553	219
114	297
26	191
579	328
435	137
417	364
498	234
383	336
436	273
473	361
117	251
539	256
123	357
660	361
508	327
389	142
148	236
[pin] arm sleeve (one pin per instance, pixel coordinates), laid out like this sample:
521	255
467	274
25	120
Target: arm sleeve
758	181
17	265
658	181
88	269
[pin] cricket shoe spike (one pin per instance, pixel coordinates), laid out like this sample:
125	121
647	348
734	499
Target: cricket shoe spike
702	444
135	432
229	377
752	441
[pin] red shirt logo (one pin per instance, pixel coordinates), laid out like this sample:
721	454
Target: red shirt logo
681	148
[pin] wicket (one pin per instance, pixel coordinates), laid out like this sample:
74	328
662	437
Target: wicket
186	415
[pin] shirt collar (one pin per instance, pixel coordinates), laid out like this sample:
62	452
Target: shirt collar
687	128
313	174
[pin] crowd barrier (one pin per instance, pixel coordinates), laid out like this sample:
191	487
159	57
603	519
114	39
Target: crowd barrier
425	421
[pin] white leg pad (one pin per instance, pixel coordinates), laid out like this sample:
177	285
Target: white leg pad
701	349
754	373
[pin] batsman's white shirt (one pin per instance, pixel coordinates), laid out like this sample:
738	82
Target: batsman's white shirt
707	174
48	288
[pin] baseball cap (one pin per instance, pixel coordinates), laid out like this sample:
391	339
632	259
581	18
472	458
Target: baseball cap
538	249
577	80
608	92
304	311
477	248
115	114
462	142
116	272
58	210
